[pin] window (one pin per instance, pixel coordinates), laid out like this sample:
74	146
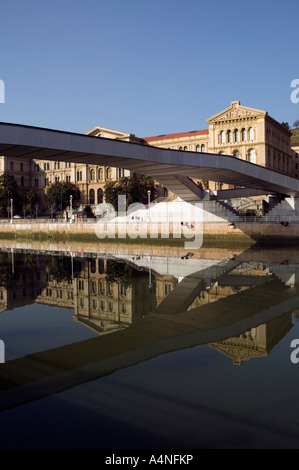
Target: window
102	287
185	148
45	166
21	167
81	285
36	183
102	305
48	166
197	148
237	154
81	302
121	172
101	266
229	137
22	182
70	295
94	304
123	308
252	156
168	288
101	174
100	196
11	166
123	290
93	265
79	175
244	135
110	289
237	135
203	148
92	175
108	173
250	132
59	294
91	196
67	164
222	137
110	306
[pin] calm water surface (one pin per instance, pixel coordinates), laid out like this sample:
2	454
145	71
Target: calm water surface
143	352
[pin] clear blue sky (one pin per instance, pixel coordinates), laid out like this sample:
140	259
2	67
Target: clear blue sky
145	66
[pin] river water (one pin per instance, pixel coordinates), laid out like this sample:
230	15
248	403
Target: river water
135	351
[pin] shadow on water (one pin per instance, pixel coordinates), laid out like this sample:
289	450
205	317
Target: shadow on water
142	306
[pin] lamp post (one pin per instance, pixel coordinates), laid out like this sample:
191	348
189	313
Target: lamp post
11	211
148	201
71	203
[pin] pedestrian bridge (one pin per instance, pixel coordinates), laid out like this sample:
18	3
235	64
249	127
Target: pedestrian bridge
171	168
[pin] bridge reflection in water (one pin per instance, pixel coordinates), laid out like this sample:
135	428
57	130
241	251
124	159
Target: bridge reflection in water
141	307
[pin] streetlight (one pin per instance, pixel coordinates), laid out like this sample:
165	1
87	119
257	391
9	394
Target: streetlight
71	203
11	211
148	201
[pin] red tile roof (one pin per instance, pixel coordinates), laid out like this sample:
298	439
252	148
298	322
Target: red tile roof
177	135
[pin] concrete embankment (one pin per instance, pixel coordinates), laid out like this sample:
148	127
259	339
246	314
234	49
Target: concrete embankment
247	232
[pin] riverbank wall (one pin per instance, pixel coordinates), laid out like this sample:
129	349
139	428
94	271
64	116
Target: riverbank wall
247	232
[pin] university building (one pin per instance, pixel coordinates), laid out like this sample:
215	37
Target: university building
239	131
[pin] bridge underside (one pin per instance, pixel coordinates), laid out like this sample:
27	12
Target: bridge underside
172	168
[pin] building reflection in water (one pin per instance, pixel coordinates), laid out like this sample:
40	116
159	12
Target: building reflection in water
107	295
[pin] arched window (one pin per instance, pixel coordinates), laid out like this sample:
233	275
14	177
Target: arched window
91	196
101	174
229	136
197	148
78	175
180	148
185	148
100	196
252	156
237	154
244	135
237	135
92	174
203	148
48	166
250	132
108	173
93	265
222	137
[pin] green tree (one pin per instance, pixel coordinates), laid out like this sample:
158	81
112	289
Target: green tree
135	190
58	195
8	191
31	200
